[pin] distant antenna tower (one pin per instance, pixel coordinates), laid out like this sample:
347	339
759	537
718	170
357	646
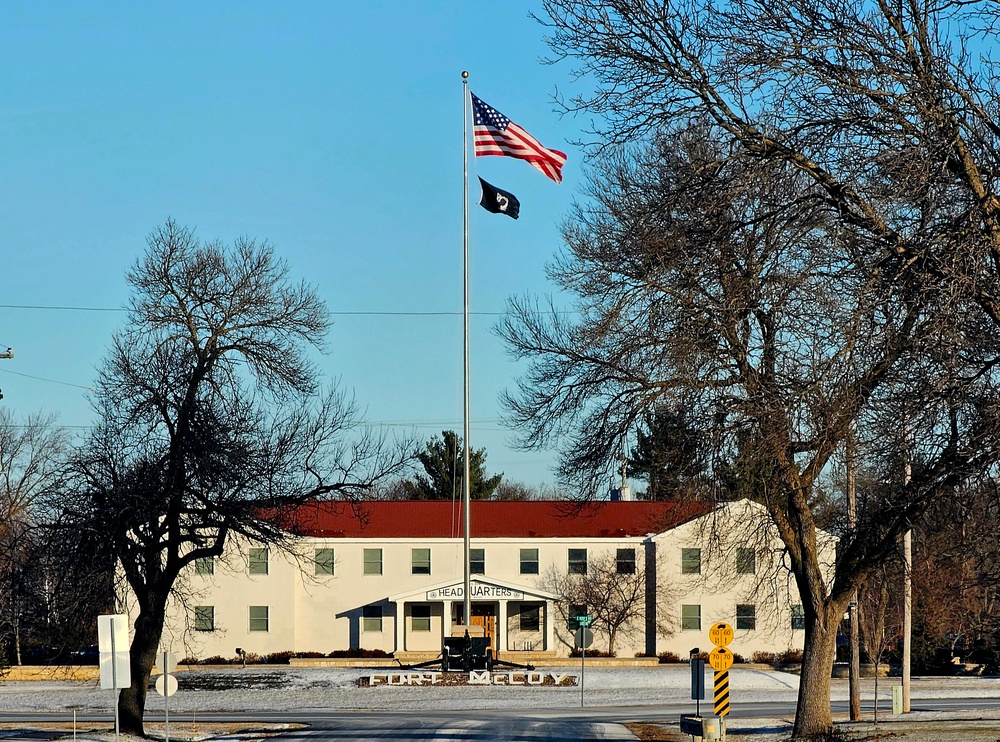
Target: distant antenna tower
622	493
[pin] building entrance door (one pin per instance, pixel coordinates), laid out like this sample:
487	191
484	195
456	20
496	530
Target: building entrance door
485	615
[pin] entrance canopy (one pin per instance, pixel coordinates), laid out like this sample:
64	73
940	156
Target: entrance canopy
490	599
481	590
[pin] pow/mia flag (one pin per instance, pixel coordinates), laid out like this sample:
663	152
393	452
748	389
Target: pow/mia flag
499	201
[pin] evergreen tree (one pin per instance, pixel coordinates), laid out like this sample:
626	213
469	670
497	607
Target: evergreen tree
443	466
669	454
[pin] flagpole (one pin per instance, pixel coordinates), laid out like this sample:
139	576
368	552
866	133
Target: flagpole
466	490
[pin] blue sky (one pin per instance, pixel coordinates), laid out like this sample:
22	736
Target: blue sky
332	130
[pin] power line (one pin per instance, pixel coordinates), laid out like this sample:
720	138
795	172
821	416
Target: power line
64	309
345	313
335	314
51	381
478	425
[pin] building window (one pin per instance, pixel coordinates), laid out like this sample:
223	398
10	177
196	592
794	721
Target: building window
575	611
530	618
324	562
258	561
746	617
529	561
373	561
371	619
746	561
691	617
204	618
204	566
798	618
625	562
578	561
477	561
258	618
420	561
420	617
690	561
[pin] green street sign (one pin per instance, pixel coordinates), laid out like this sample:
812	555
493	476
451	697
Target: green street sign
585	620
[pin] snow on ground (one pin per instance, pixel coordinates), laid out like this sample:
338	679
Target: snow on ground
267	688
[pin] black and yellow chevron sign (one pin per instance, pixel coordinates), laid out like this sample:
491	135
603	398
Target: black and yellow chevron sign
722	693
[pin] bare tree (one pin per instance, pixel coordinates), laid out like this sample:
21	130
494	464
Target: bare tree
613	591
880	119
31	456
881	615
956	581
743	289
210	425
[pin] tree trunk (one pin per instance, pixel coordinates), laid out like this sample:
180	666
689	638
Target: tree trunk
142	655
812	713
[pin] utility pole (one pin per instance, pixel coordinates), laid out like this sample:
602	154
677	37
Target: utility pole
907	586
854	669
907	616
8	354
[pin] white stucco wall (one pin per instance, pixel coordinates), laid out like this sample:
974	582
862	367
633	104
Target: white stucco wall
319	613
719	588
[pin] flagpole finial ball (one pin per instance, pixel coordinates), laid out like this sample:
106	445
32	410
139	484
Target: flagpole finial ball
465	74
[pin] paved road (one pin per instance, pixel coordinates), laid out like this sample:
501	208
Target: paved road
527	725
379	727
376	726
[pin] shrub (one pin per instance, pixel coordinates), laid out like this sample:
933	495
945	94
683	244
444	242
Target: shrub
739	659
309	655
667	657
762	658
277	658
219	660
790	657
591	653
358	654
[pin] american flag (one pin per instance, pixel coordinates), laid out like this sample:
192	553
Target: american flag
495	134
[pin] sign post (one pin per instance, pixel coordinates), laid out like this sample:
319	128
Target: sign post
166	685
112	641
583	638
697	681
721	660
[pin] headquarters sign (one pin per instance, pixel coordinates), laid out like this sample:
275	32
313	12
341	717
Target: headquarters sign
480	590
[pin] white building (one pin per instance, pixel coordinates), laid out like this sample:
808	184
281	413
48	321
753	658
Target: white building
393	579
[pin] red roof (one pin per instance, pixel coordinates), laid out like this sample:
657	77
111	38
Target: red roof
489	519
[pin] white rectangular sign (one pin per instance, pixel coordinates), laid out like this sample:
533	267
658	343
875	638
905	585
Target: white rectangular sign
112	641
479	590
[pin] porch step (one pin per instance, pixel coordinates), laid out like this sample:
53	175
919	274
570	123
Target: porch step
538	659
